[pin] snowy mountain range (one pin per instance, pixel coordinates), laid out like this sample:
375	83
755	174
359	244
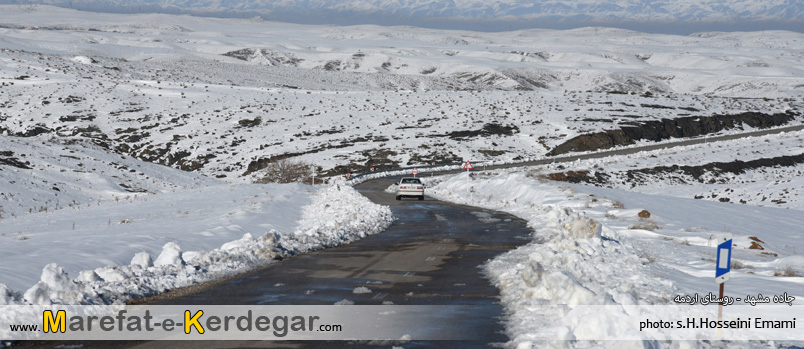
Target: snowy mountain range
542	13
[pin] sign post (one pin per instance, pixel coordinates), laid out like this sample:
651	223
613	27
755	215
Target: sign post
723	268
414	172
467	166
722	272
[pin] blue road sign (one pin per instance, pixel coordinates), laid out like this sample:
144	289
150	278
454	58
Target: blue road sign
723	266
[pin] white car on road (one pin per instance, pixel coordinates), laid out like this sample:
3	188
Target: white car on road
410	187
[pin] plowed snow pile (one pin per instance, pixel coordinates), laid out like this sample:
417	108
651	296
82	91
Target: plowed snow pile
596	269
155	243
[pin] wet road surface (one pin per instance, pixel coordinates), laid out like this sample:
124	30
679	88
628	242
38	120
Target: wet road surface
430	256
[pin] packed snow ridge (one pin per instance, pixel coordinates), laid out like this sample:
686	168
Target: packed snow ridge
597	247
327	216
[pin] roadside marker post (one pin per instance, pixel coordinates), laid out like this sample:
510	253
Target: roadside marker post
467	166
722	273
723	267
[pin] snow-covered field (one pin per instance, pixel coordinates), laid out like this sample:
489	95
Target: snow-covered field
687	172
591	248
216	96
147	244
82	225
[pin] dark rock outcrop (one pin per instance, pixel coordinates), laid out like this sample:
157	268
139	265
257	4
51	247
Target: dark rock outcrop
7	158
487	130
642	175
690	126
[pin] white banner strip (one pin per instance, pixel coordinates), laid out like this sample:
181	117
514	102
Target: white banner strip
763	321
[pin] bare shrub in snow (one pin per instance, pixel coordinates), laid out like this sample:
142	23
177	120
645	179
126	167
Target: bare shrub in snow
287	171
755	246
755	243
645	224
644	257
537	175
644	214
582	227
788	271
739	265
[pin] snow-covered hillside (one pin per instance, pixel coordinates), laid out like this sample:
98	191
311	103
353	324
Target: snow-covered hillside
225	97
82	225
762	171
45	174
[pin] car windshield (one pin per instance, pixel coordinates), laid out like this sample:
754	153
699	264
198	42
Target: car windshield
411	181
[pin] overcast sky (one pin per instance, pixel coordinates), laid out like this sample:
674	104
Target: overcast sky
669	16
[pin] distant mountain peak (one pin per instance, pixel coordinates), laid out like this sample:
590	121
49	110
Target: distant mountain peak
516	13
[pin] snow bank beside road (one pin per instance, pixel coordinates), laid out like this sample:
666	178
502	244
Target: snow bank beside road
110	263
341	216
590	250
574	261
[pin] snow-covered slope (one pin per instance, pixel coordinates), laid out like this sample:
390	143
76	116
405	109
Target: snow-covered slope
117	227
762	171
45	174
224	97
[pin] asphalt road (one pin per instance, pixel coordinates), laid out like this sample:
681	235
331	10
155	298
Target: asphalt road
430	256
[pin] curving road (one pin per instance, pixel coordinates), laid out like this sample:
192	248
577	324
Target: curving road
430	256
